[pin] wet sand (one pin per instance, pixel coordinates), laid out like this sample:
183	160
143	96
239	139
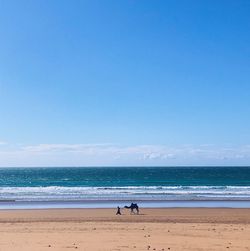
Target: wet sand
100	229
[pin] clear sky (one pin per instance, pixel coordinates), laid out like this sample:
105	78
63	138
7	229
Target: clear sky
124	82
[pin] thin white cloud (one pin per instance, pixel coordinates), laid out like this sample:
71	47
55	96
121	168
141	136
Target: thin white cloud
61	147
145	152
111	154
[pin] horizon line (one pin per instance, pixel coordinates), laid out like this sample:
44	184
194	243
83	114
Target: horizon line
125	166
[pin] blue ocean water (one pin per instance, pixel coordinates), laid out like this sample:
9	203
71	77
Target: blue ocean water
125	183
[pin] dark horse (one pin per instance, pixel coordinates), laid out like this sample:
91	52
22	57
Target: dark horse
132	207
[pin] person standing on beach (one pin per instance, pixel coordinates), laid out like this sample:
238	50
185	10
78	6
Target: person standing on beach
118	211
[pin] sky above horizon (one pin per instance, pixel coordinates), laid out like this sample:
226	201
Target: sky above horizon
124	83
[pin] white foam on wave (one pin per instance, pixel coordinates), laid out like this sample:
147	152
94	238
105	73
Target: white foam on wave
139	192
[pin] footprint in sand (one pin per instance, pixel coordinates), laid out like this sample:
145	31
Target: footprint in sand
72	247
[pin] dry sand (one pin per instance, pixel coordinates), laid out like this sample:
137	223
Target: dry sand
100	229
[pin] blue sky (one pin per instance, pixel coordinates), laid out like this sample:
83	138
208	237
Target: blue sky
124	83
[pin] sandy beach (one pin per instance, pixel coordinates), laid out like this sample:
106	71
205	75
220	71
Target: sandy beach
100	229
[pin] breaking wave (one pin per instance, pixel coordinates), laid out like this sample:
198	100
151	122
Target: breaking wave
54	193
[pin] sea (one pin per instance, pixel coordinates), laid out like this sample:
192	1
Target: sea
77	187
